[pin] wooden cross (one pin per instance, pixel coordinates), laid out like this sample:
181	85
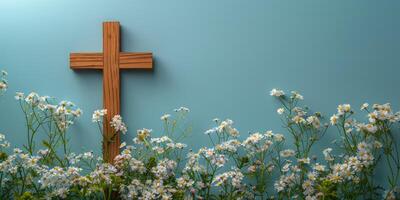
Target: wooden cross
111	60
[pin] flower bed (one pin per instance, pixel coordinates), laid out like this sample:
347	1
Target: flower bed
260	166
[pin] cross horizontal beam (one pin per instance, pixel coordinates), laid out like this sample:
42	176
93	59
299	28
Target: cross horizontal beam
142	60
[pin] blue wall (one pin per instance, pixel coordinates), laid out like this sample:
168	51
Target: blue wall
219	58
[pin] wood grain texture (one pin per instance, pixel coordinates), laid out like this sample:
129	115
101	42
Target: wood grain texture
135	60
86	60
111	84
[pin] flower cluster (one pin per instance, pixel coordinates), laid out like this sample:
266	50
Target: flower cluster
158	165
118	124
49	119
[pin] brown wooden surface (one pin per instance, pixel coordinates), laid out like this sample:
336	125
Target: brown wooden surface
126	60
111	61
135	60
111	81
86	60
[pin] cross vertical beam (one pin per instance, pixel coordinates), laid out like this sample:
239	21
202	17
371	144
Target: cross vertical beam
111	85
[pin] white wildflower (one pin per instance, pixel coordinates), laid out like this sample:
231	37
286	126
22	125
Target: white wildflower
287	153
276	92
235	177
142	134
296	95
279	137
314	121
334	119
344	108
165	117
364	106
19	96
3	86
298	119
269	134
118	124
318	167
252	140
304	160
98	115
77	112
327	154
182	109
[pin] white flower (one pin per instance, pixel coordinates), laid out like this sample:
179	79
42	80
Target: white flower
319	167
308	188
252	169
327	154
221	179
210	131
182	109
304	160
235	177
276	92
334	119
373	116
122	145
233	132
19	96
32	99
216	159
43	152
160	140
118	124
61	110
344	108
269	134
180	145
165	117
280	111
296	95
279	137
364	106
77	112
287	153
314	121
88	155
298	119
363	146
98	115
253	139
184	182
370	128
285	182
229	146
142	134
3	85
224	127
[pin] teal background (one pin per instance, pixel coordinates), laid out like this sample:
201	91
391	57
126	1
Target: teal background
219	58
